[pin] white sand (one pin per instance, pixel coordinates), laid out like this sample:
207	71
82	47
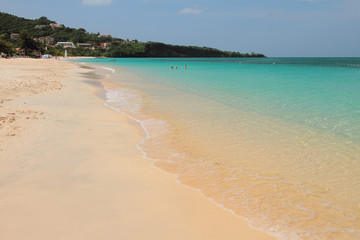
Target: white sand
70	169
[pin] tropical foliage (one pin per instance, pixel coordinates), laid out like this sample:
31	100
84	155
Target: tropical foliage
115	47
29	45
5	46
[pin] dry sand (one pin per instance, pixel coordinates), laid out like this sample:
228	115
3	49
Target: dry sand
70	169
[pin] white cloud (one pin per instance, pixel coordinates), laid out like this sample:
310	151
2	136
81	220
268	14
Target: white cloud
96	2
190	11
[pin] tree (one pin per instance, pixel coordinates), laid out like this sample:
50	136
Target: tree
42	21
5	46
28	43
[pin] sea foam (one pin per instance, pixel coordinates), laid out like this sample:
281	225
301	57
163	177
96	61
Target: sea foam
277	145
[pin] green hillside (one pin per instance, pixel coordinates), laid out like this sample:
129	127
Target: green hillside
97	45
13	24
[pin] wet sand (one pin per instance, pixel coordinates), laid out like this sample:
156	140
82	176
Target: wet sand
70	168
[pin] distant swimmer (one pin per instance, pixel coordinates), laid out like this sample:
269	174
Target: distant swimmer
172	67
274	63
175	67
185	66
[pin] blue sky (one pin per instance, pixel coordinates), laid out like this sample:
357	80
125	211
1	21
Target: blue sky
277	28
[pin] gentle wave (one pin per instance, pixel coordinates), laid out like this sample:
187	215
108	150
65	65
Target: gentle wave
244	197
110	69
287	209
125	102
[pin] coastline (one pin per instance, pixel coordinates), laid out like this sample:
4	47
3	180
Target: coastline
157	105
70	167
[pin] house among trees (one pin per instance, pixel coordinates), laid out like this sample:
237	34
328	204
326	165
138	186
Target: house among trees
52	25
41	26
48	40
106	35
55	25
14	36
104	45
85	45
20	51
66	44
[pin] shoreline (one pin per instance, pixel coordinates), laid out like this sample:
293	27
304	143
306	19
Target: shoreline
131	84
148	136
74	171
105	83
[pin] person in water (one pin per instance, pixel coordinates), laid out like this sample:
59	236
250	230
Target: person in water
172	67
185	66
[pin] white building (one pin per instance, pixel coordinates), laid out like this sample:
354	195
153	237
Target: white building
66	44
41	26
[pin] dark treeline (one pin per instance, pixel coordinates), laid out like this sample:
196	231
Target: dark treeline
154	49
166	50
115	47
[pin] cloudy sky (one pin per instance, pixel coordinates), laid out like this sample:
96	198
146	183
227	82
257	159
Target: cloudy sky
294	28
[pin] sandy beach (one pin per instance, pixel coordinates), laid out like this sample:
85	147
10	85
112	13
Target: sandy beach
70	168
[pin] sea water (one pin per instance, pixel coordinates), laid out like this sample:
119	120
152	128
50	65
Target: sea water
274	140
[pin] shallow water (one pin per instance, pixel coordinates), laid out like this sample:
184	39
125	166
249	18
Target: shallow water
278	144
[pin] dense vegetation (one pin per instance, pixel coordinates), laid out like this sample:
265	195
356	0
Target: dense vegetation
5	46
116	47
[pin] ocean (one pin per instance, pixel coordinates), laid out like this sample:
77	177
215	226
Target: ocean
274	140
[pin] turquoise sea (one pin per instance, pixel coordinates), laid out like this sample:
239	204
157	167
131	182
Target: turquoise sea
274	140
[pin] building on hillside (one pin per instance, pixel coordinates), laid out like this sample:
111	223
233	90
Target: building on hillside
106	35
66	44
103	45
41	26
20	51
84	45
14	36
55	25
48	40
